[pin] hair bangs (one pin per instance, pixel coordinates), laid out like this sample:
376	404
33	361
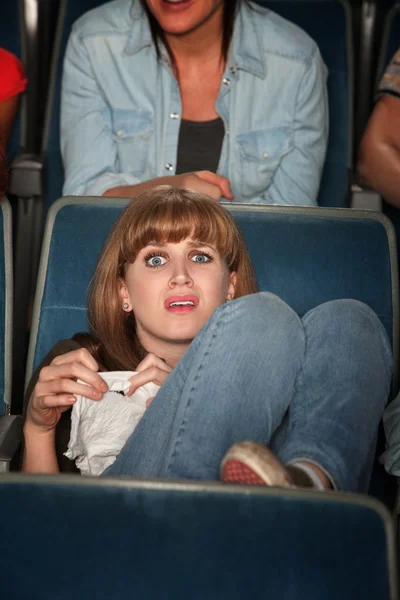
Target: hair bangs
176	217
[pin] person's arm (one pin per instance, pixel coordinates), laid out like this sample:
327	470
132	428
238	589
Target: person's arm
298	176
206	182
8	112
54	393
379	162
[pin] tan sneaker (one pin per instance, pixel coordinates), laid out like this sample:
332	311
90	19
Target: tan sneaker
254	464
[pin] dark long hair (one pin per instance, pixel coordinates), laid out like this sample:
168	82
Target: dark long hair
157	33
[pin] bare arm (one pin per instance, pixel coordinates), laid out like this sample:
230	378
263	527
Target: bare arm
379	162
39	451
8	112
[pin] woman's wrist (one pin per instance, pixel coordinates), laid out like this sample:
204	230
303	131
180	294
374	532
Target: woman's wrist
32	430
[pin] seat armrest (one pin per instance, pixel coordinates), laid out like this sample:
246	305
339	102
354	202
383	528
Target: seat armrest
26	176
362	197
10	436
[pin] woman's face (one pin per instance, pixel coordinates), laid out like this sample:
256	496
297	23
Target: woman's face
173	289
183	16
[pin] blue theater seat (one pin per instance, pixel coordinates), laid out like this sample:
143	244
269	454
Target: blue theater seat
304	255
329	23
73	537
10	426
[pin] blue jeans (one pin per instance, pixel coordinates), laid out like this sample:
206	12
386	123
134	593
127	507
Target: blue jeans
311	389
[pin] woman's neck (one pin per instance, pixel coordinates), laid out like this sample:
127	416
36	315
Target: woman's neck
202	43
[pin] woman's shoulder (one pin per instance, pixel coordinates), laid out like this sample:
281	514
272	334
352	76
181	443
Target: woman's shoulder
12	75
278	35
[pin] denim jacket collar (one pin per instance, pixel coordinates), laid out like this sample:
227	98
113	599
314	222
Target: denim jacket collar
246	47
140	34
245	53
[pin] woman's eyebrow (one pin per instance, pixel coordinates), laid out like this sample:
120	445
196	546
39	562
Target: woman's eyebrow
197	243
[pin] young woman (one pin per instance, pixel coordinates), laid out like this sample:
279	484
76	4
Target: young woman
173	297
223	97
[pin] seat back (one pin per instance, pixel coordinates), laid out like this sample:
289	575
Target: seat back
329	23
107	538
306	256
6	271
69	12
336	46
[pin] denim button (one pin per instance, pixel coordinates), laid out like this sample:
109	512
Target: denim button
226	81
265	155
169	167
174	116
120	133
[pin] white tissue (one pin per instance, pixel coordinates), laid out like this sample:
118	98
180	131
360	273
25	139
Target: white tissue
100	428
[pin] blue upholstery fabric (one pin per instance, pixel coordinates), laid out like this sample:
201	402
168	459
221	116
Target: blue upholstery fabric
10	36
304	259
312	16
326	22
126	540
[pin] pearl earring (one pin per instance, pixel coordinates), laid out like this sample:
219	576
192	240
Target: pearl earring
125	305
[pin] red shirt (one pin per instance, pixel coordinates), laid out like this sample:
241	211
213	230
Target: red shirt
12	75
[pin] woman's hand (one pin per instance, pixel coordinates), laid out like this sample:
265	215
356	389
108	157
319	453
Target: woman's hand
206	182
57	384
151	369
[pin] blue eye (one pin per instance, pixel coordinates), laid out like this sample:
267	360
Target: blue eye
155	261
202	258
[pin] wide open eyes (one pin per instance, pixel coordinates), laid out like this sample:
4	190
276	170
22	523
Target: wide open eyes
201	258
155	259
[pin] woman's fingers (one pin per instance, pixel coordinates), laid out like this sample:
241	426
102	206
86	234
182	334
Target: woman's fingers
57	386
81	356
54	401
152	374
221	182
72	370
66	386
152	360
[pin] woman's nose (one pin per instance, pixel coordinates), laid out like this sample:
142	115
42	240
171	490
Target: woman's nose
181	276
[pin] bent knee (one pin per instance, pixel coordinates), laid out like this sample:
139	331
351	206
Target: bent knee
265	312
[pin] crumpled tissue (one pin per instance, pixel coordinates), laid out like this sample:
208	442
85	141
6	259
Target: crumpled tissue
100	428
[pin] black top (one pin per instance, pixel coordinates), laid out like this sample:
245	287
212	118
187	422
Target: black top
199	145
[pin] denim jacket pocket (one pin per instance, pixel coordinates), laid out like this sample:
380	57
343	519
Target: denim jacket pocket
132	130
260	153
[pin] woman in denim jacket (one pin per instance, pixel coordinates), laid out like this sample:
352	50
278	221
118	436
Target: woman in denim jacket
223	97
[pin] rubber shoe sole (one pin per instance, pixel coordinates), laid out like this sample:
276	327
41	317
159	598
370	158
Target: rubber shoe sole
254	464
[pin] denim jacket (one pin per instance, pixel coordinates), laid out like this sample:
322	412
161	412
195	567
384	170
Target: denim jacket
121	107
